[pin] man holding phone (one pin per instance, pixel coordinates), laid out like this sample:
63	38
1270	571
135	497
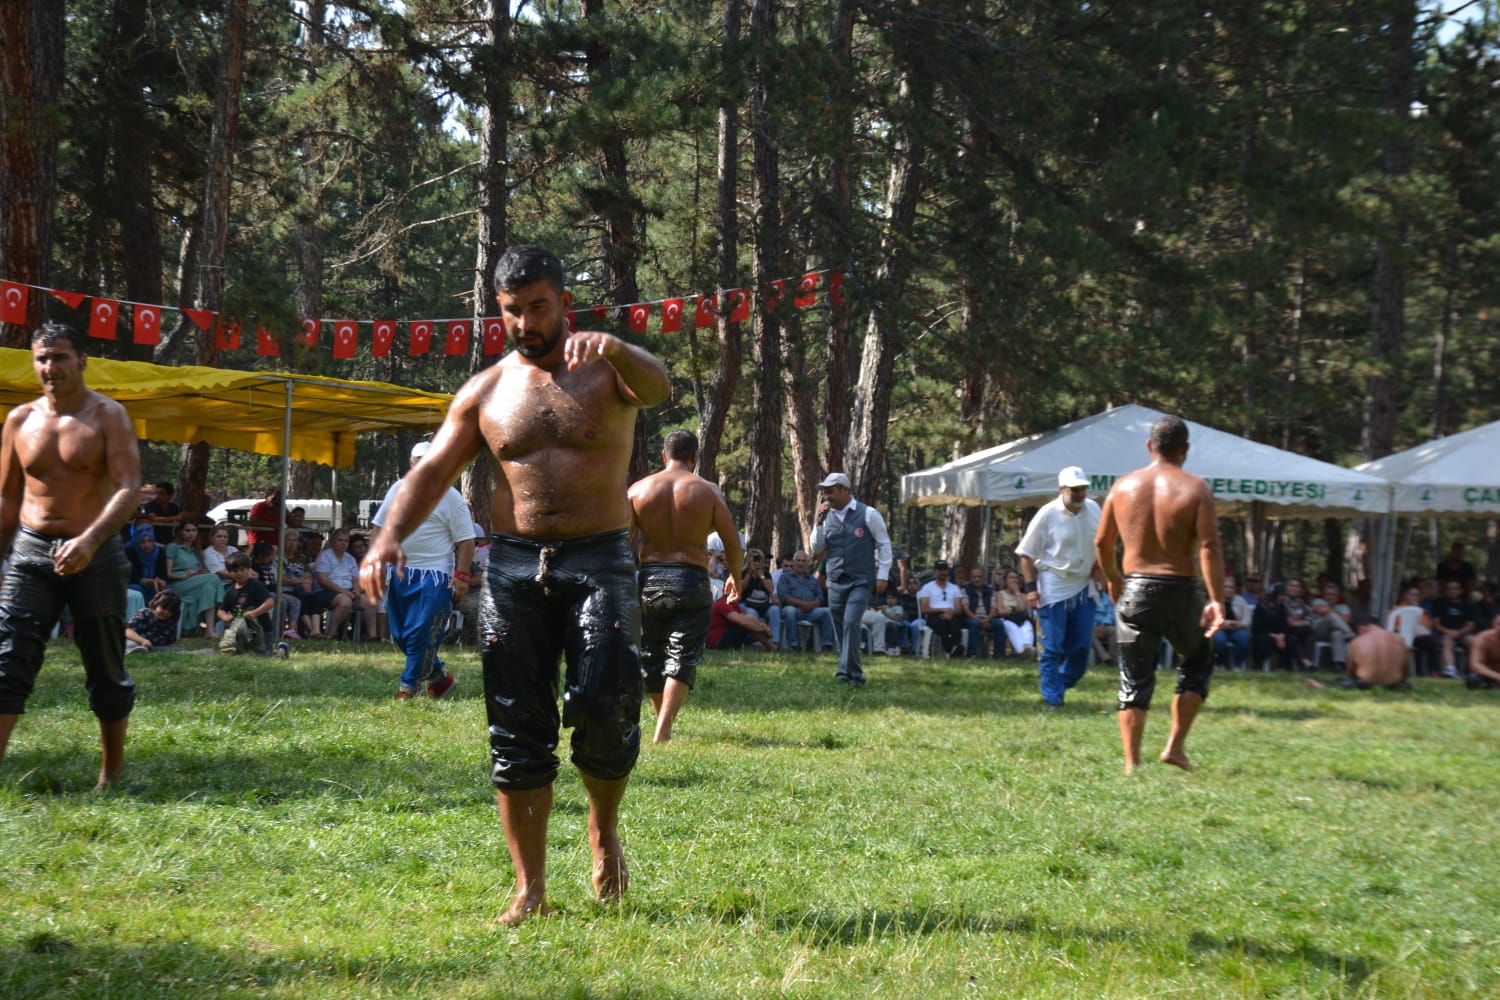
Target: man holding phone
858	547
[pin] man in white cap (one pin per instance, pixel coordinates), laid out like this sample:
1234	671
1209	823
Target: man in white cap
1057	564
858	547
420	596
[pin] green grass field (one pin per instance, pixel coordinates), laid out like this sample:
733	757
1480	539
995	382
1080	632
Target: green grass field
291	830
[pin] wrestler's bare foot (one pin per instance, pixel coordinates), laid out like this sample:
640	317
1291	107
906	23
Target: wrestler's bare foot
524	907
1131	765
107	781
611	873
1178	759
1312	683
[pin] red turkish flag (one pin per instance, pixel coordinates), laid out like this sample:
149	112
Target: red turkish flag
807	290
571	319
775	293
601	313
146	324
345	339
836	288
203	319
310	330
265	343
232	336
221	335
708	305
419	336
103	316
13	302
671	315
494	334
640	313
70	299
382	336
739	305
457	341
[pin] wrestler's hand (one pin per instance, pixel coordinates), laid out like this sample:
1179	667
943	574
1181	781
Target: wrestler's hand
880	587
1213	617
72	556
384	552
1116	588
731	589
582	348
1035	600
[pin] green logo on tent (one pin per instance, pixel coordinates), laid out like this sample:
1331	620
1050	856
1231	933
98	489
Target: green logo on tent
1427	496
1020	484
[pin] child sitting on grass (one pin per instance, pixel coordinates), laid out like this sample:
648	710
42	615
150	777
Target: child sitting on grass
154	627
246	604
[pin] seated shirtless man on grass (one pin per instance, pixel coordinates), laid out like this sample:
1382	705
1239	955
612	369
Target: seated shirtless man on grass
1165	517
1376	658
1484	657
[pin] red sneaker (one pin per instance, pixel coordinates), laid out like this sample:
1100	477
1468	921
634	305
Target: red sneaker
441	687
406	693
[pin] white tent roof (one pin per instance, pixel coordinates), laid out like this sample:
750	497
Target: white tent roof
1109	444
1459	474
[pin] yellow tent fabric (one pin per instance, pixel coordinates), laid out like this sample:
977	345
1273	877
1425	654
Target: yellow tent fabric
242	410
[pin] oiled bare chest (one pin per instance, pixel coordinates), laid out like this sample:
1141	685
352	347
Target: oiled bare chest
532	412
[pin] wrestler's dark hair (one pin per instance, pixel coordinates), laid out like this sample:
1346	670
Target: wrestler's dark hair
1360	621
681	446
524	265
53	331
1169	436
237	560
166	599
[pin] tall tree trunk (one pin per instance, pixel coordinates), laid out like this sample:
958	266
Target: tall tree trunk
1444	335
492	62
726	379
872	392
766	416
31	77
221	144
1388	321
841	255
131	149
188	248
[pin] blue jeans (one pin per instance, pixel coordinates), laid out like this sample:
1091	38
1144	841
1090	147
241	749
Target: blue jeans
790	616
417	608
771	615
1239	641
1067	638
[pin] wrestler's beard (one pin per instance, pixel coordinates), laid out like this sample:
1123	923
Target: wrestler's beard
542	348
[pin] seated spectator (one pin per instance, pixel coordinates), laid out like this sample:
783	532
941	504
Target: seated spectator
378	630
729	627
154	627
146	575
247	603
201	591
1232	641
1454	620
1338	603
759	596
979	598
802	601
263	563
1484	657
911	625
164	513
1106	648
1015	615
297	582
1253	591
943	609
888	609
1298	608
1328	627
1270	637
217	551
337	571
1412	622
1376	658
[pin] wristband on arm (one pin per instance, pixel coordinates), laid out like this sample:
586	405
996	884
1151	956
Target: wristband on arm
1029	587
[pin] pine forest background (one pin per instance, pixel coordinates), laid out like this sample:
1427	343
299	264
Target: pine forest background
1277	218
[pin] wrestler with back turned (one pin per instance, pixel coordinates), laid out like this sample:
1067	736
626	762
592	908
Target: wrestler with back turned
70	469
1165	517
557	419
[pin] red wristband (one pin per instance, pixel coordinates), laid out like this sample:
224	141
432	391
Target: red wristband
461	574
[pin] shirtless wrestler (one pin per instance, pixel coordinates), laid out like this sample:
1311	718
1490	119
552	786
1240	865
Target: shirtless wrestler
557	419
1484	656
1376	658
1165	517
673	512
70	469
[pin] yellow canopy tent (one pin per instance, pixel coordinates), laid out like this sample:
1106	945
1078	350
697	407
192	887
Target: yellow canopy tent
307	417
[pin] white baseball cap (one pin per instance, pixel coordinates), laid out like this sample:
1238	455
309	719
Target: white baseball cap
1072	476
420	448
836	479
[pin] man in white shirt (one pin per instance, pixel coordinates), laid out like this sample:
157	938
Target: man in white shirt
1057	563
944	610
420	597
858	547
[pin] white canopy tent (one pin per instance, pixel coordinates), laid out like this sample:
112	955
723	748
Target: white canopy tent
1455	476
1107	445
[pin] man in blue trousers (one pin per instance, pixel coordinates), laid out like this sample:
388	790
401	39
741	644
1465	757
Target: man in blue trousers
1057	563
420	598
858	549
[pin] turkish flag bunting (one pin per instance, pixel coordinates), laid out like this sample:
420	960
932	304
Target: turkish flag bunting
494	334
571	319
265	343
345	339
13	302
807	290
103	317
382	335
419	337
601	313
739	305
775	293
310	329
232	336
457	341
671	315
639	314
221	335
836	288
70	299
203	319
146	324
708	305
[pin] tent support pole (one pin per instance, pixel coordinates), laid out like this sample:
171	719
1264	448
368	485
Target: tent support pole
286	478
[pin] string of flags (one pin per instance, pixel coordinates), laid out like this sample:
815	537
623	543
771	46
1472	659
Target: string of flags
454	335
